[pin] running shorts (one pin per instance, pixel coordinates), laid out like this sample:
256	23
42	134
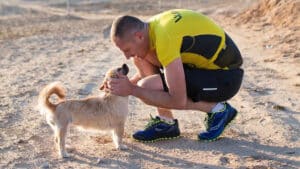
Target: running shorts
210	85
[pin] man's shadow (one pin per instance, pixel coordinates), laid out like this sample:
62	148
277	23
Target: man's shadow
240	147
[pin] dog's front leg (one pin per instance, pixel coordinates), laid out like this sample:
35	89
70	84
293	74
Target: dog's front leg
117	136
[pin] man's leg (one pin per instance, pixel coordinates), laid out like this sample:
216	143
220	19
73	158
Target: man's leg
217	87
214	110
164	126
144	70
154	82
165	114
201	105
219	114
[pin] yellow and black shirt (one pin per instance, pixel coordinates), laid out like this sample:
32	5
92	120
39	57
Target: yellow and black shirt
189	35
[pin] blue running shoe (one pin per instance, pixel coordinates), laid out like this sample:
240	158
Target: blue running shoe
216	123
157	130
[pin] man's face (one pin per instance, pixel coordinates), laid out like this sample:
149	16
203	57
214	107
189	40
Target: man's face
133	45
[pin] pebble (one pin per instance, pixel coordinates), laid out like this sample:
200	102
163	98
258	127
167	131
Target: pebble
224	160
98	161
290	152
45	165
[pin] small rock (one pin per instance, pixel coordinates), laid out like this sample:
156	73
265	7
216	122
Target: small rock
260	167
279	107
286	55
297	55
98	161
243	167
268	46
224	160
248	158
290	152
21	141
81	51
215	153
45	165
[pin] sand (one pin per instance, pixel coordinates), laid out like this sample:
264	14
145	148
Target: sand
42	42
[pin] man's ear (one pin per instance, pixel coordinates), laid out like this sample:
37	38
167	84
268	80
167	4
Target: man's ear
139	35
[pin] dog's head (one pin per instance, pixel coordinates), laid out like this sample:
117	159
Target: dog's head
113	73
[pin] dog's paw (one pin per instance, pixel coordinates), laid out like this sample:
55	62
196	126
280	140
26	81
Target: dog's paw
70	148
122	147
64	155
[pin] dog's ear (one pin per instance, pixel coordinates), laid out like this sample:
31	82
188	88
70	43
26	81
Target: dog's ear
102	86
125	69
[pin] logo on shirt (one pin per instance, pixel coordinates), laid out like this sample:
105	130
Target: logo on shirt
177	16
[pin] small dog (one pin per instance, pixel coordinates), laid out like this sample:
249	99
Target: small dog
102	113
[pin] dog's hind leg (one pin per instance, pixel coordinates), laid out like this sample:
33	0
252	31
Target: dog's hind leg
54	128
117	136
61	134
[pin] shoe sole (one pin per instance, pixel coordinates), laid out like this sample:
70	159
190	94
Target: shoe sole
156	140
218	137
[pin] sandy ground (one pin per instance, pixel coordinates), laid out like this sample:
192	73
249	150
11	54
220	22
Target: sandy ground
39	44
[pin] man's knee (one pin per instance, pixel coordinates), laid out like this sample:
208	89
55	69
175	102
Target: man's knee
151	82
141	83
144	83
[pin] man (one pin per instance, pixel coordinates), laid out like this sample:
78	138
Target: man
184	61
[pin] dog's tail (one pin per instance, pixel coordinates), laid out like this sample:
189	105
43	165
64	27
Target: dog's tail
43	101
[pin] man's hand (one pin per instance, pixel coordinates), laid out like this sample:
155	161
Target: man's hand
120	86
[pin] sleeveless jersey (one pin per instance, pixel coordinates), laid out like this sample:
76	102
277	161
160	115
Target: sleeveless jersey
186	34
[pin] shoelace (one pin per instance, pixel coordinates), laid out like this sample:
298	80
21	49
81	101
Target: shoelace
152	122
208	120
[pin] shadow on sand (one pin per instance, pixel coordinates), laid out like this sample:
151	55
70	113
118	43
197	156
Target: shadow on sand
136	157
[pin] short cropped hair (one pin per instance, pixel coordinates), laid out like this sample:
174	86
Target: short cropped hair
125	24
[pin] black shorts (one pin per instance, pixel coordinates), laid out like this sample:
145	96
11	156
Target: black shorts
210	85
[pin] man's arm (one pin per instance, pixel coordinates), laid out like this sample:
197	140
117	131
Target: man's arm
174	99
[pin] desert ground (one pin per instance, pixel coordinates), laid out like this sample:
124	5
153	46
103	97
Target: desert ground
45	41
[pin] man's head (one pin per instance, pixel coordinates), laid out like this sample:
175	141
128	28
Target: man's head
130	34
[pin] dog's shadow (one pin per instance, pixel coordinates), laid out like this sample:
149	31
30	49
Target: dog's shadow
137	156
98	162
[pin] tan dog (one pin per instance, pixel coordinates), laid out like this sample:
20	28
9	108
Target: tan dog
106	113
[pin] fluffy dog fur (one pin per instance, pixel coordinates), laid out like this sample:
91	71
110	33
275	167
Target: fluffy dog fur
106	113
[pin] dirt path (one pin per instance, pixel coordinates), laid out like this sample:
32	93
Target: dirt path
41	47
